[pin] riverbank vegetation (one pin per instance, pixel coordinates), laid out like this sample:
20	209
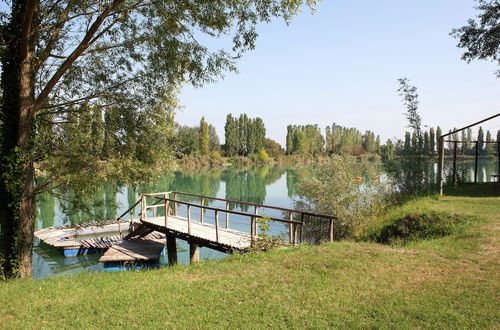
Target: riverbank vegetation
406	283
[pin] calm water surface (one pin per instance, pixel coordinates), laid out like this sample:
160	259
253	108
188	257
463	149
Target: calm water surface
272	185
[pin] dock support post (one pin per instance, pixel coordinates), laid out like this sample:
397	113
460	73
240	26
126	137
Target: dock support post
290	228
171	250
455	163
194	253
475	162
441	164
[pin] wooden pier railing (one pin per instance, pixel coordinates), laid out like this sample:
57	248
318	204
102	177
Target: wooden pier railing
169	201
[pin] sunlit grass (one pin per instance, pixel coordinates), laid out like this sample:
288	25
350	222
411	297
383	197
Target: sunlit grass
444	282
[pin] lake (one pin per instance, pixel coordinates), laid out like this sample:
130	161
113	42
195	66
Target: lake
263	184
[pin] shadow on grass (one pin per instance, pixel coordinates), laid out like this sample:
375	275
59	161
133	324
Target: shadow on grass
487	189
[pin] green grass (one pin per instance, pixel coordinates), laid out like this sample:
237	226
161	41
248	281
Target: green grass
449	281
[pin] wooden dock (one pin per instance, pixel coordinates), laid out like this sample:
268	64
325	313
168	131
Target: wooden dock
144	240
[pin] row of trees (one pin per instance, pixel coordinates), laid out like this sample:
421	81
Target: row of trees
426	143
307	139
201	139
244	135
467	147
304	139
343	140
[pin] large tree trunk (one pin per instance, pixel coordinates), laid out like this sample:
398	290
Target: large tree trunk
17	199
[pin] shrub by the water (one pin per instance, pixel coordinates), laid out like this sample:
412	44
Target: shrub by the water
335	188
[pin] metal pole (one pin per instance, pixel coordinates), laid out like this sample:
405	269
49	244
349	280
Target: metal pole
441	164
455	163
290	228
498	156
227	215
475	163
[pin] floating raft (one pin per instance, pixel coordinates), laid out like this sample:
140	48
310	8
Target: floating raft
131	250
67	240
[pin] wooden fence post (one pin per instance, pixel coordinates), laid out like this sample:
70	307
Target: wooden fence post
189	218
217	226
202	210
227	215
256	212
175	204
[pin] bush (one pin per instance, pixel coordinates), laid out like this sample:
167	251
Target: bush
332	189
417	226
262	155
215	155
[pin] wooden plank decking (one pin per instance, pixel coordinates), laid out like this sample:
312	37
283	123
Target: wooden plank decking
68	238
203	234
132	250
74	237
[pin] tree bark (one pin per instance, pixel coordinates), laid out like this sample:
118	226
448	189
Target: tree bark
17	198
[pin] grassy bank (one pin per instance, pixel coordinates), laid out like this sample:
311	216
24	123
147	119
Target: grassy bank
448	281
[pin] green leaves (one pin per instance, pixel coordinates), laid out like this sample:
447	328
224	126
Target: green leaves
481	39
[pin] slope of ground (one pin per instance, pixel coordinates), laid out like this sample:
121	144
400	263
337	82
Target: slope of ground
442	282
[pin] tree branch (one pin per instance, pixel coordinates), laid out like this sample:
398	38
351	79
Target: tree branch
84	44
53	38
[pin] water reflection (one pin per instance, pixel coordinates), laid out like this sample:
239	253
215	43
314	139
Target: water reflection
267	184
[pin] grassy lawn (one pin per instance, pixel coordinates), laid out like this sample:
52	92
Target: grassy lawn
442	282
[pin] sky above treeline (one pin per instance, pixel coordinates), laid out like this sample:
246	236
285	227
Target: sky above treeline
341	64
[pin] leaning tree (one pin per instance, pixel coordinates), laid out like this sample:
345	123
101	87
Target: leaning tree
119	60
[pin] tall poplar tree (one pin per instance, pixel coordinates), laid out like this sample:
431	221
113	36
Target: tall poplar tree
432	141
203	138
480	140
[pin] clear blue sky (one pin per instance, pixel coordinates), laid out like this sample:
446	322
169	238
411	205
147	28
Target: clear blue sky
341	65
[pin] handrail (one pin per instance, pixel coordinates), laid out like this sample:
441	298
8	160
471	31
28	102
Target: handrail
125	213
228	211
130	209
320	215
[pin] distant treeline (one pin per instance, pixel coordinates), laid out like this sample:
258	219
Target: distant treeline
308	140
247	137
427	143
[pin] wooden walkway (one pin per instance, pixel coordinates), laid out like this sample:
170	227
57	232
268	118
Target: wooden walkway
203	234
144	240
